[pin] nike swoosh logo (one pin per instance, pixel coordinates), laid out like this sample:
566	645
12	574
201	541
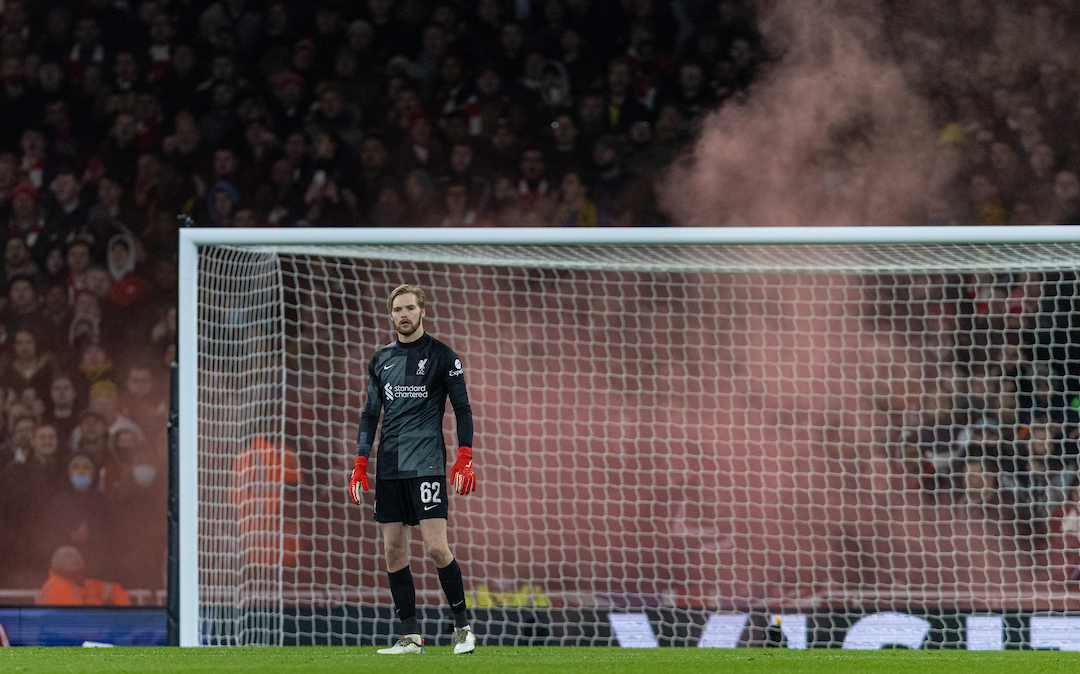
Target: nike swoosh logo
427	508
387	367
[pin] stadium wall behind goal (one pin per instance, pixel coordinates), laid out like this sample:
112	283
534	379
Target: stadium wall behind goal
645	628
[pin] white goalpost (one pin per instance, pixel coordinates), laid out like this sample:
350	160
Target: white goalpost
805	437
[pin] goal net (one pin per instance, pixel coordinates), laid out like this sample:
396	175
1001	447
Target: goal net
678	442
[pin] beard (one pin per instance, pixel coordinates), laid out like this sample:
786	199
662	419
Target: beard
409	329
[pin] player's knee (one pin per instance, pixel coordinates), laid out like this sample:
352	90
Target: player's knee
396	555
440	555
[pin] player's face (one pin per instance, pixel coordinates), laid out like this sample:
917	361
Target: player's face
407	314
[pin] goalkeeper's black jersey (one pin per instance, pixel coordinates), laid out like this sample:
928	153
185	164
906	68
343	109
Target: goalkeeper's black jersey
409	384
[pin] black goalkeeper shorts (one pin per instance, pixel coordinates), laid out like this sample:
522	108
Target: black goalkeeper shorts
410	500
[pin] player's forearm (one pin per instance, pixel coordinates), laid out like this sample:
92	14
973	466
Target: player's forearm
463	414
459	399
365	435
464	428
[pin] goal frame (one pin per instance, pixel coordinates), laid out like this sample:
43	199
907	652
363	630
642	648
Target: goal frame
191	239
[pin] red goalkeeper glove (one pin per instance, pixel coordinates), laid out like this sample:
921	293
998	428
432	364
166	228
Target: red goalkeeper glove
359	479
462	474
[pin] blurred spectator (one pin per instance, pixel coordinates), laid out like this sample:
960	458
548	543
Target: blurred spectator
65	212
25	491
420	199
159	50
29	396
982	471
32	163
503	151
88	51
14	99
456	207
609	181
262	473
389	207
221	123
163	335
373	175
119	153
55	40
281	200
985	203
1053	474
510	55
289	104
85	324
68	585
28	365
534	188
23	307
422	149
222	199
62	410
592	122
18	444
1064	205
109	216
328	175
623	108
1043	165
9	178
136	512
17	260
184	148
24	220
104	399
488	102
555	98
329	113
565	151
262	149
91	438
78	261
582	69
506	207
99	286
128	288
224	167
451	89
75	514
645	155
574	208
142	399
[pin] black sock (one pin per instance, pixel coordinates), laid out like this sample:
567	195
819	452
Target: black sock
454	588
404	593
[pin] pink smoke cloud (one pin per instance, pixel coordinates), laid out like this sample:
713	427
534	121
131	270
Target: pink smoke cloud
830	133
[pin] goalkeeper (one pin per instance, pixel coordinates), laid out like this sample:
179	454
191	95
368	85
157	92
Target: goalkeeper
409	381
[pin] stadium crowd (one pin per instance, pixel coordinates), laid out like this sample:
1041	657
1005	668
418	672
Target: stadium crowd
118	115
996	424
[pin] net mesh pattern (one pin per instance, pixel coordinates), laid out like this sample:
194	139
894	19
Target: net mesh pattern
700	428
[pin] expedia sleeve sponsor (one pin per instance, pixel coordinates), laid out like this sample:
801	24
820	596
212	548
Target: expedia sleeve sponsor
454	383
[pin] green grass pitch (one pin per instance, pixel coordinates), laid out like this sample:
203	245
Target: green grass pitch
560	660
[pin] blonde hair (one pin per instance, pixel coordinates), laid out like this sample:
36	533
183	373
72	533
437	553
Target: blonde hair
405	289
